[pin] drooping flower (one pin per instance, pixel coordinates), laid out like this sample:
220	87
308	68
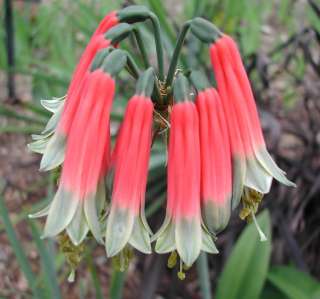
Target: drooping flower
252	165
55	149
80	198
216	154
216	172
182	229
259	142
126	222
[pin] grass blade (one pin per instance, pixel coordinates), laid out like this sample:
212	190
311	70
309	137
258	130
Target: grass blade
18	250
8	112
50	276
246	269
20	130
117	283
95	278
203	273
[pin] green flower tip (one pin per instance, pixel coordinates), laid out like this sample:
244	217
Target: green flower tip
181	88
133	14
119	33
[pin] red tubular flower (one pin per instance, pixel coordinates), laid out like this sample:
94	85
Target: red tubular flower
216	172
54	154
182	228
251	164
257	134
81	192
126	222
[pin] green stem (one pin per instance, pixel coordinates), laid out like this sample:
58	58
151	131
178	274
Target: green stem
141	46
132	67
176	53
158	40
117	283
203	272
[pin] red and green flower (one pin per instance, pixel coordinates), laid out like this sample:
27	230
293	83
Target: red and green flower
217	155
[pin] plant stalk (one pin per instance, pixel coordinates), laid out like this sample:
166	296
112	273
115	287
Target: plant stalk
176	53
141	47
158	40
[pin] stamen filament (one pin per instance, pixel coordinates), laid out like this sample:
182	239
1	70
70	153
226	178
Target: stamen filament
181	274
262	236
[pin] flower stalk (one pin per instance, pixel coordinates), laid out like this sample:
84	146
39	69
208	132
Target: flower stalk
176	53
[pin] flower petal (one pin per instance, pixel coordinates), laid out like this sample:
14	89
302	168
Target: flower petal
43	212
54	153
257	177
62	210
78	228
93	206
119	229
140	237
207	243
188	239
165	237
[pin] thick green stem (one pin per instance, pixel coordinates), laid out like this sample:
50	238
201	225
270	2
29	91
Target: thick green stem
141	47
176	53
158	40
132	66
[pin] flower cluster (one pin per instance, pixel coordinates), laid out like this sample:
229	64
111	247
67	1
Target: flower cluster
217	155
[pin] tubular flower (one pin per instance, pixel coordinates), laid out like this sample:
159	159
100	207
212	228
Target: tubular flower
55	150
216	172
216	151
80	198
126	222
182	229
252	165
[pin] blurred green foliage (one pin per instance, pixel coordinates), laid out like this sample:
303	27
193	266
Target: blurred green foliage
49	40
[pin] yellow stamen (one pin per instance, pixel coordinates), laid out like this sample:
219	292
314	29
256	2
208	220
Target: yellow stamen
181	274
172	260
122	260
250	200
73	254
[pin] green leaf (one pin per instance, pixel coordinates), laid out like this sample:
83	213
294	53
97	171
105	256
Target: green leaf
246	269
95	277
294	283
50	276
203	273
11	113
270	292
19	251
19	129
117	283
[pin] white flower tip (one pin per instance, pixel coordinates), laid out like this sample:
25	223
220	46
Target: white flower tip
71	276
263	237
